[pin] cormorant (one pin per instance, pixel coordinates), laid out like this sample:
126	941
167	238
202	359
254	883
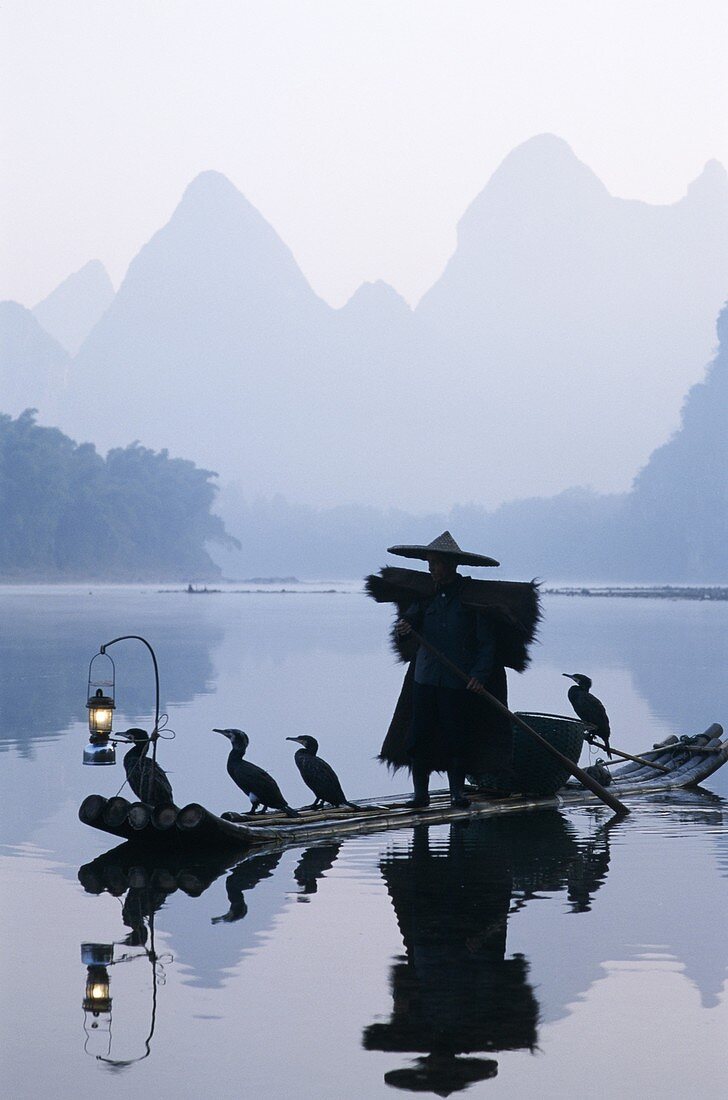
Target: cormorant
145	777
261	788
589	708
318	776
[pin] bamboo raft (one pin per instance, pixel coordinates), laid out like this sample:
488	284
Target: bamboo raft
685	762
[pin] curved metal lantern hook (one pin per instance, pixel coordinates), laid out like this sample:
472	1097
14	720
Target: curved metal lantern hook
138	638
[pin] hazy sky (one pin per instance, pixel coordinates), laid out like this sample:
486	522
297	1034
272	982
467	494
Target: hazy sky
361	130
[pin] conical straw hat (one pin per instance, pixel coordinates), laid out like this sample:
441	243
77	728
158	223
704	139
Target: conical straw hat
446	546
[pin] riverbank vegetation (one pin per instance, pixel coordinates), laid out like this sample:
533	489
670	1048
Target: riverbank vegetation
69	513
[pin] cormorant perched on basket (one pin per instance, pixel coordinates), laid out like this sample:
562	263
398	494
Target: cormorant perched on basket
589	708
261	788
145	777
318	776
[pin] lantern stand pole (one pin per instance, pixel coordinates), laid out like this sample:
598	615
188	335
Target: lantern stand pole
138	638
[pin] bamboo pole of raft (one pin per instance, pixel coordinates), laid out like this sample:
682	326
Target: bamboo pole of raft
682	747
139	815
115	811
91	809
584	778
164	816
628	756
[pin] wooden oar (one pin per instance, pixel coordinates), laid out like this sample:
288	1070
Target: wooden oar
584	778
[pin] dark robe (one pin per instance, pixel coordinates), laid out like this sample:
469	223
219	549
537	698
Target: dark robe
512	613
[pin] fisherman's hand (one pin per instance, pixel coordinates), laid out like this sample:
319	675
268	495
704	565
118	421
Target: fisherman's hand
402	628
476	686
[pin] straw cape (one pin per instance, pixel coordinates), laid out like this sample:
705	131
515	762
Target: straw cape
446	547
512	608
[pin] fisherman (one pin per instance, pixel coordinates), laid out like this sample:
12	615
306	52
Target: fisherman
442	721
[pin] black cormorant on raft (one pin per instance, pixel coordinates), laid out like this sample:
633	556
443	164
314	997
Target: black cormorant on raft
148	781
318	775
589	708
260	787
684	763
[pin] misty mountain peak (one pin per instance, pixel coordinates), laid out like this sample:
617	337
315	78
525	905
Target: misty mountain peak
543	162
216	249
540	178
377	296
19	328
211	198
210	185
32	363
710	185
71	310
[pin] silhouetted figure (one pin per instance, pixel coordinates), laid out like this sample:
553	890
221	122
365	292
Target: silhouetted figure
441	721
244	877
148	781
318	776
260	787
313	865
589	708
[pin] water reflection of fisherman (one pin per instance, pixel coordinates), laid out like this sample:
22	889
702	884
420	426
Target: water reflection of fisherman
455	992
440	723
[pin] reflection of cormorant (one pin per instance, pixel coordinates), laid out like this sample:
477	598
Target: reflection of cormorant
260	787
145	777
589	708
588	870
313	865
548	857
244	877
318	776
454	991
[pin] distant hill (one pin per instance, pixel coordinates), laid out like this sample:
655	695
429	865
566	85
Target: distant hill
73	308
554	350
33	366
671	528
579	319
677	514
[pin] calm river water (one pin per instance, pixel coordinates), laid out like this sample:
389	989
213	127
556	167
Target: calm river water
543	955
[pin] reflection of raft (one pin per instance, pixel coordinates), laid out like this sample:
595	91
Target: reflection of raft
689	761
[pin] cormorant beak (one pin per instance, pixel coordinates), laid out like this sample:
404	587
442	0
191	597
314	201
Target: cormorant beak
224	733
569	676
299	739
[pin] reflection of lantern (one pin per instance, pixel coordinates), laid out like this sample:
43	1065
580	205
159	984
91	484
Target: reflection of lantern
100	705
98	993
96	957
